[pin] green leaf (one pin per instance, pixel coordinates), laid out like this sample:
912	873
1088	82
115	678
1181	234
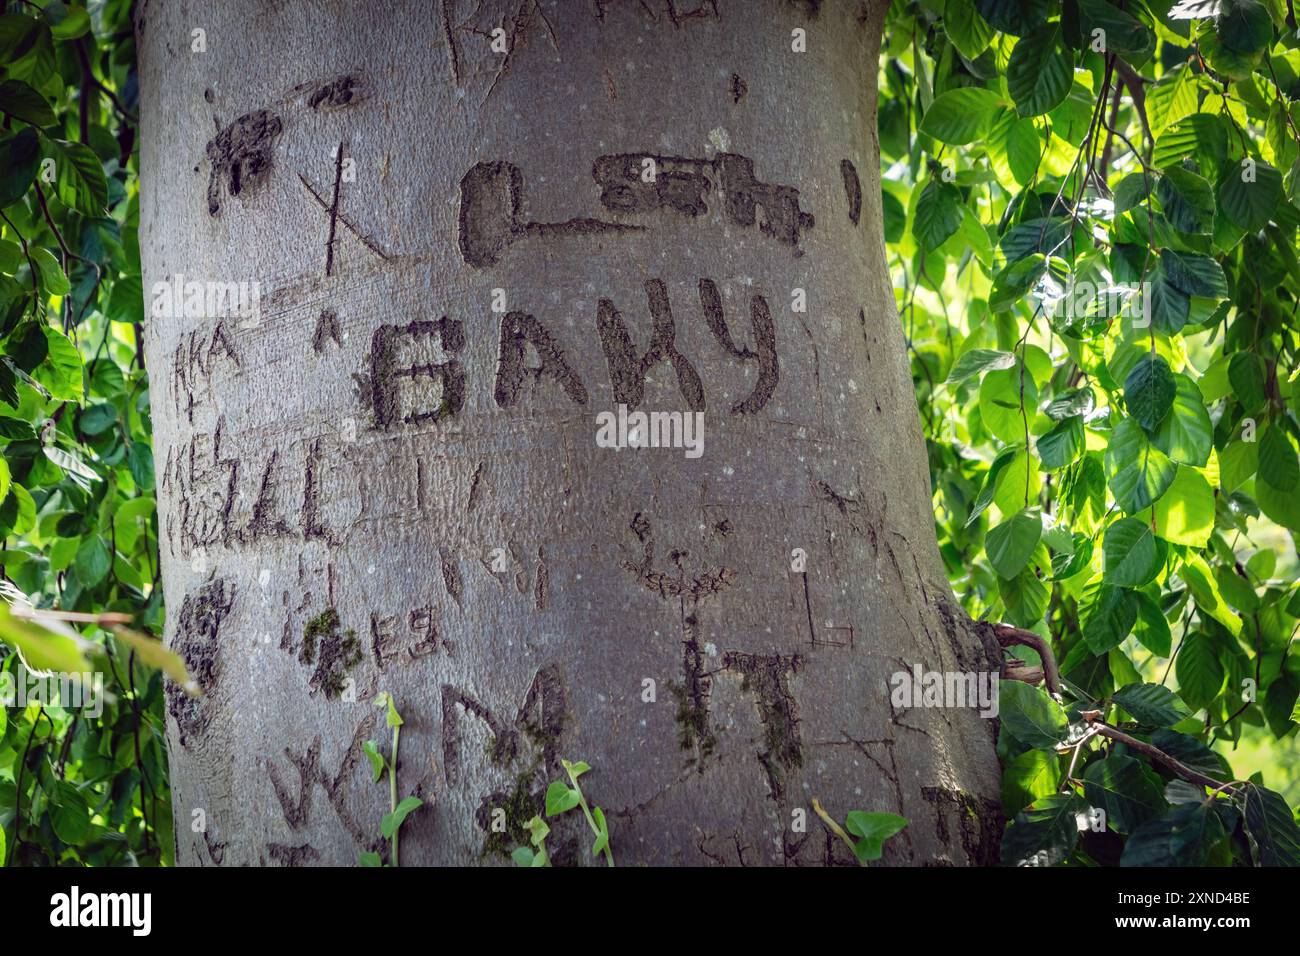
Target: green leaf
1062	444
79	178
376	761
1108	613
1044	834
523	856
602	826
393	821
22	102
1129	792
1008	398
1134	556
1029	777
938	214
93	560
1249	194
1016	17
1151	629
1244	26
560	798
53	279
1186	434
1025	597
61	370
977	362
151	652
1246	375
1039	73
1137	472
370	859
1198	135
1196	573
872	830
43	648
1185	513
1011	544
69	814
1200	673
20	158
1149	391
1030	715
1152	705
1187	199
1271	826
969	32
1122	33
1277	459
960	116
1171	98
1182	837
1194	274
1170	305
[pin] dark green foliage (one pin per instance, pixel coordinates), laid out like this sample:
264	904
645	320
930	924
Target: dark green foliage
1110	398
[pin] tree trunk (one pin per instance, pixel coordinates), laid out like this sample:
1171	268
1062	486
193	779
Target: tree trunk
387	477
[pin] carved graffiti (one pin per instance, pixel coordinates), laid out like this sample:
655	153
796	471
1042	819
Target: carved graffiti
630	183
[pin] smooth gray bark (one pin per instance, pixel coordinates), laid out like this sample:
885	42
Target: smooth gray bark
380	442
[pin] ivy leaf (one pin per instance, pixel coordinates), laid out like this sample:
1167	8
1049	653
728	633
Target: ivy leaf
872	830
560	798
376	761
393	821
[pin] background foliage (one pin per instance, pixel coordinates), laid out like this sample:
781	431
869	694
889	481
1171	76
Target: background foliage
1129	490
76	473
